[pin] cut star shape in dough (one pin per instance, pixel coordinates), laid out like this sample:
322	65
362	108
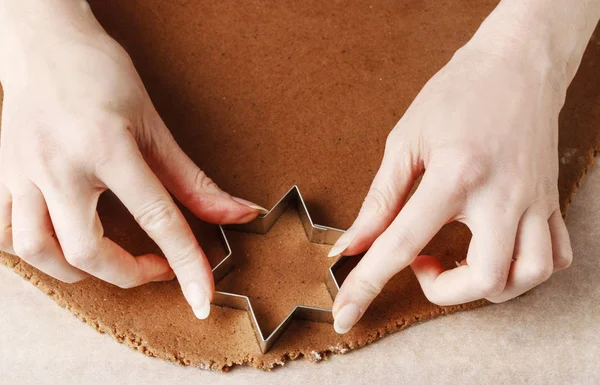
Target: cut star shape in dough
261	225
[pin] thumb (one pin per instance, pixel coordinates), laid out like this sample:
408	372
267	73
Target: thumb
387	194
192	187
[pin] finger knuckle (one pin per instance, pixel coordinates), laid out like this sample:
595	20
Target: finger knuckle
103	158
44	147
546	182
399	149
377	200
511	199
490	284
433	296
367	286
106	154
536	273
403	245
29	245
111	142
158	214
84	256
204	182
107	122
184	257
467	171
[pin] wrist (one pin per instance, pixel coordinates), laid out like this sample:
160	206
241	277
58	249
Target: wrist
546	38
30	28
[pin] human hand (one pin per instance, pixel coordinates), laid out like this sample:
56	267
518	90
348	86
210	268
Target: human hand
77	121
483	134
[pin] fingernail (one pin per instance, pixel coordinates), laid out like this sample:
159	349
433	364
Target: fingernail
168	276
342	243
346	318
198	299
254	206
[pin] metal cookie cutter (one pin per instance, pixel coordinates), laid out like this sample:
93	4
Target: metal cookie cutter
261	225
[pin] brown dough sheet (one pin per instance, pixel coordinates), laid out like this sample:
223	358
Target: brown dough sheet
264	95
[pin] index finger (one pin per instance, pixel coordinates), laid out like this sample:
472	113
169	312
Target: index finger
134	183
431	206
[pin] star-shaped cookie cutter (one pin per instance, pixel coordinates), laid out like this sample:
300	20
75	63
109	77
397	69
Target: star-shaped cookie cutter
261	225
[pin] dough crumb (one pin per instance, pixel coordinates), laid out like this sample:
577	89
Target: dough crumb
567	155
339	349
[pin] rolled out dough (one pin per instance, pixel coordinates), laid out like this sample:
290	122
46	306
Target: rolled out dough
264	95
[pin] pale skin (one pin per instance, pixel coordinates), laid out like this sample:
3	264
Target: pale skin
482	134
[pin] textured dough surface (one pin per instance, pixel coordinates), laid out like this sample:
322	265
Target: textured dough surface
263	96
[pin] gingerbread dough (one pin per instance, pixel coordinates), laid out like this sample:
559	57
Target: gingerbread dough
264	95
